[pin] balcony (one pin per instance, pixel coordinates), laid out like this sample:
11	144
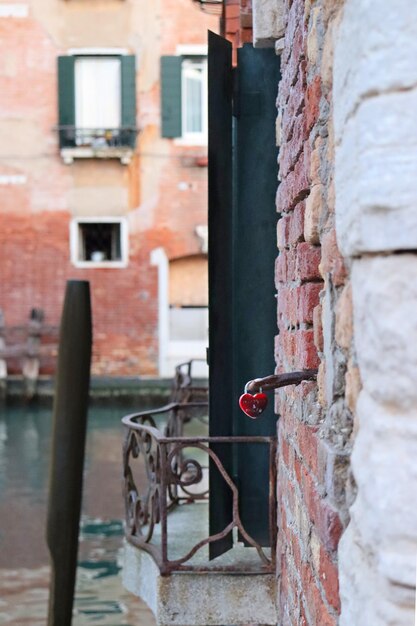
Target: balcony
98	143
166	460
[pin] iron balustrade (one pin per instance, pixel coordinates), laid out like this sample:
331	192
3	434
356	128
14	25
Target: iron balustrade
97	138
172	478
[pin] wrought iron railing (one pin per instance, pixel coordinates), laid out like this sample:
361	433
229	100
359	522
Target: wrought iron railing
161	475
97	138
185	386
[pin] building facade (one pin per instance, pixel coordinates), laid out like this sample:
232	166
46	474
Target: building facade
103	173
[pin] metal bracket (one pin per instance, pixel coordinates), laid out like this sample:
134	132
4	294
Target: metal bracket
275	381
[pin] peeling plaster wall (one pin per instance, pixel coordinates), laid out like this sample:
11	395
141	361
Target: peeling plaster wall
375	100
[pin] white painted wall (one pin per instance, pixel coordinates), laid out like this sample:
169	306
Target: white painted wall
375	104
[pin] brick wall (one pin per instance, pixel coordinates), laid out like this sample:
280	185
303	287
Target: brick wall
315	328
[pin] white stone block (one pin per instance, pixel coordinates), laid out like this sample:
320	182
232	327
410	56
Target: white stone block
385	324
375	51
268	22
196	599
375	176
366	596
377	553
383	463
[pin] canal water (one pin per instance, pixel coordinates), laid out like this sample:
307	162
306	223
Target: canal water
25	438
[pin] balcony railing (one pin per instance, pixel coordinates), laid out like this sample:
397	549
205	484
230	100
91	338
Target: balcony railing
166	486
97	138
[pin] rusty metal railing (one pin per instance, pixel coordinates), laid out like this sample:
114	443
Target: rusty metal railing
173	478
184	387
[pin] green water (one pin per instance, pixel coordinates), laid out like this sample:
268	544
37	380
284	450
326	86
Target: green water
25	438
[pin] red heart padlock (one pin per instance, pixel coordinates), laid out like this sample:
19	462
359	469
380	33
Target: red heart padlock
253	406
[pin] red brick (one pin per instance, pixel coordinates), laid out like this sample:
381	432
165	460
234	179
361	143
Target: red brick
283	231
316	609
307	442
296	226
326	520
294	188
293	146
308	260
312	102
329	579
306	353
309	295
294	105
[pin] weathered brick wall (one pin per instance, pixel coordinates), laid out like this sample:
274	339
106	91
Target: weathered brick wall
315	328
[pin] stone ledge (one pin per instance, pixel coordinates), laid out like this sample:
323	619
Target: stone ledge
200	599
124	154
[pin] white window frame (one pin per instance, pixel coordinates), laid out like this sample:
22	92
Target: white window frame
201	138
75	242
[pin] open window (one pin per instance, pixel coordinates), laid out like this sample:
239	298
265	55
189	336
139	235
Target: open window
99	242
97	105
184	98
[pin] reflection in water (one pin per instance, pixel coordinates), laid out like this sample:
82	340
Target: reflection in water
25	437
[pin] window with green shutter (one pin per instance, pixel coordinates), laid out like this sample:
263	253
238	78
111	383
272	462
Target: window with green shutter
184	98
97	101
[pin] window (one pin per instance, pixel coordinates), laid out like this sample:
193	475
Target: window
97	102
99	242
194	99
184	98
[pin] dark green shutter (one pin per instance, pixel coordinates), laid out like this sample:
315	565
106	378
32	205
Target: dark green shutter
129	98
171	96
255	251
220	256
242	250
66	100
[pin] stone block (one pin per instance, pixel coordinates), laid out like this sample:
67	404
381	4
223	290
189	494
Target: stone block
332	262
385	304
199	599
353	385
344	318
268	22
381	539
375	174
364	63
318	328
314	204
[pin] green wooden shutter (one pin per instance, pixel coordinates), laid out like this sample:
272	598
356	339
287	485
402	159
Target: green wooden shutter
171	96
128	96
66	99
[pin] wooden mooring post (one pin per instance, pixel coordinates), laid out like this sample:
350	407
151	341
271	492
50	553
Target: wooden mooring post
68	444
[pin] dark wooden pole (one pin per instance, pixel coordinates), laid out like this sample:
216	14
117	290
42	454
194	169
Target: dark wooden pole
68	443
